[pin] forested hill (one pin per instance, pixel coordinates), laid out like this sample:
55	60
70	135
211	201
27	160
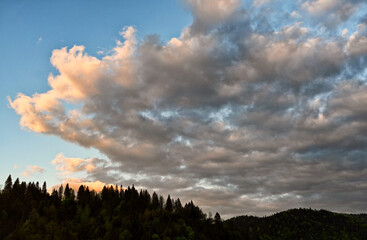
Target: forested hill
28	211
302	224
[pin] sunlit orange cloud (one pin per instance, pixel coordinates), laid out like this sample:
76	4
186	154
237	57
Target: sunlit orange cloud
78	79
79	73
75	183
32	117
68	165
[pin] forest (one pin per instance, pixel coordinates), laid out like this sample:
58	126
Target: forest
29	211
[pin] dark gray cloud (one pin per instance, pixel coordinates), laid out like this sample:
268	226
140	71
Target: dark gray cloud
240	116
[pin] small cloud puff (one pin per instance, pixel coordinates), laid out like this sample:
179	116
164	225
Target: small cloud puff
32	170
39	40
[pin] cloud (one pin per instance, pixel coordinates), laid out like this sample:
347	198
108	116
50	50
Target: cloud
320	6
357	42
260	2
93	168
39	40
71	165
32	170
75	183
344	33
294	31
331	12
241	113
208	13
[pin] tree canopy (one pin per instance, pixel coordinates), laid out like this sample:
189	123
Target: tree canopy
28	211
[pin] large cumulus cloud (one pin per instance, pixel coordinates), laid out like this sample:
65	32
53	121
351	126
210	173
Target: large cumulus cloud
241	118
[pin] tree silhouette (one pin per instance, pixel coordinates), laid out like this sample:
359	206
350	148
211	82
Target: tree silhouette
169	206
44	188
28	212
155	200
67	192
217	218
8	184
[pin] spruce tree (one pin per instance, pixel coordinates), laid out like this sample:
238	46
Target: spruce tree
169	206
8	184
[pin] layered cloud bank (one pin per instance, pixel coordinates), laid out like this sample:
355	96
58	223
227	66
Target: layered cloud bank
253	109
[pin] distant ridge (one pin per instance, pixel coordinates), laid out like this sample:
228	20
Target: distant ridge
302	224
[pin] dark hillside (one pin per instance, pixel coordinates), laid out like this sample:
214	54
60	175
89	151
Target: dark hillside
302	224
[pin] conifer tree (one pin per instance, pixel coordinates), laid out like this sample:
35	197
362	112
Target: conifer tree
178	205
44	188
67	192
8	184
155	200
169	206
217	218
61	191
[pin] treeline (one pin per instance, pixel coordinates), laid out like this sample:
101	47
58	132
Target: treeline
28	211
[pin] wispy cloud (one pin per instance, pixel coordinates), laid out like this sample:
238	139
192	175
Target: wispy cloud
31	170
39	40
246	112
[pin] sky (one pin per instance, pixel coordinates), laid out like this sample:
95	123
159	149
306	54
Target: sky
244	107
